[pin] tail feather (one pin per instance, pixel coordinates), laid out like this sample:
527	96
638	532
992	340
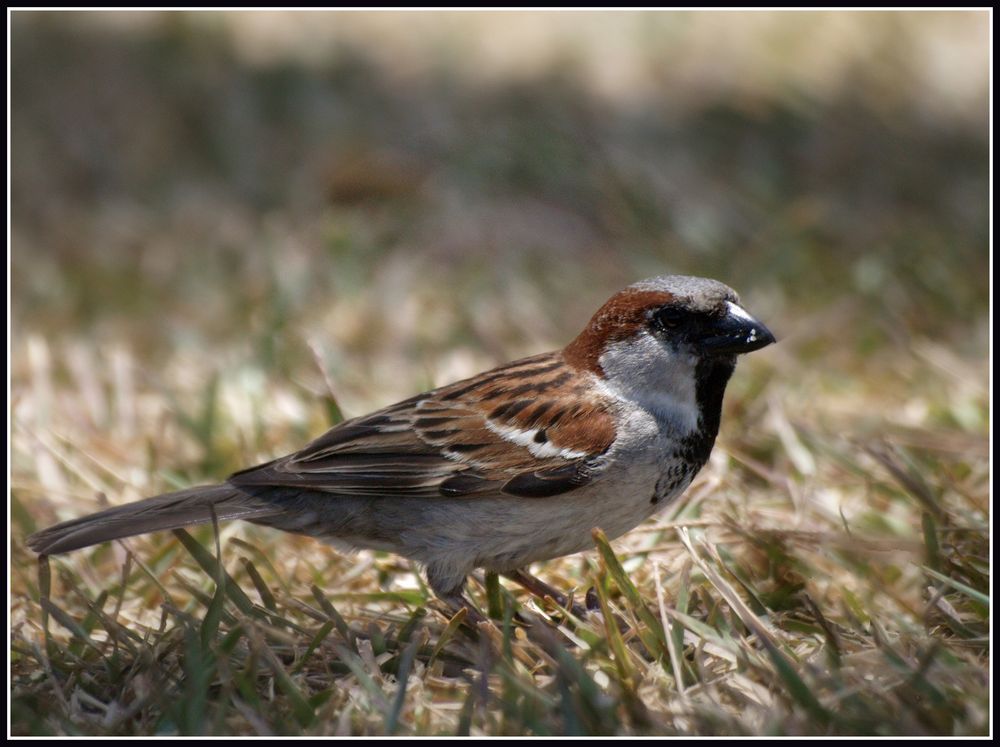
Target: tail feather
167	511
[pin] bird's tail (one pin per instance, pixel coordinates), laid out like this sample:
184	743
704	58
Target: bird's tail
167	511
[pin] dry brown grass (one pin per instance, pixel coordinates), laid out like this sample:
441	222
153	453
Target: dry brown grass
820	576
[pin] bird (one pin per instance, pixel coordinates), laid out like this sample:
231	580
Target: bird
510	467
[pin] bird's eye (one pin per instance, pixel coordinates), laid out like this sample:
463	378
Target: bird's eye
669	317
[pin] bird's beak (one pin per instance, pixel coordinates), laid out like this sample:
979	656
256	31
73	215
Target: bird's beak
735	333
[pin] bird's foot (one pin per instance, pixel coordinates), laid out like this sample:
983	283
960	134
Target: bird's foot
542	590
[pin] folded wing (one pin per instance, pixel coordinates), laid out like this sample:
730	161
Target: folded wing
531	428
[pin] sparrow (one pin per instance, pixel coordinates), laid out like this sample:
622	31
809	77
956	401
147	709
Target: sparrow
509	467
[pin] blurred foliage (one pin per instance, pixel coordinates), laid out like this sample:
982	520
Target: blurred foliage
158	173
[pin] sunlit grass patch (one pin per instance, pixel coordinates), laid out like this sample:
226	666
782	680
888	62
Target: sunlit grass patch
810	582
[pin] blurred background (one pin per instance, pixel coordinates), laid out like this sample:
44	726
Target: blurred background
398	184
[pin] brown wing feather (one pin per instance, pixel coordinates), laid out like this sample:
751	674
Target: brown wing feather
481	435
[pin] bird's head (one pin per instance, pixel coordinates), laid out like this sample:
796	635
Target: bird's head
658	338
670	316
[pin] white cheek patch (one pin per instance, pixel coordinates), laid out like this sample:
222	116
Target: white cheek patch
656	378
526	438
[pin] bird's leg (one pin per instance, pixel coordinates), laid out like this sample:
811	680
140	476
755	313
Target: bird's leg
457	602
452	593
541	590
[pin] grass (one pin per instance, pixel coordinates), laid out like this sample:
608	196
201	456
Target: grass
808	583
216	259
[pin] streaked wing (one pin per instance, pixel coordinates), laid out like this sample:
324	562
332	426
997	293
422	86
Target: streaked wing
483	435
